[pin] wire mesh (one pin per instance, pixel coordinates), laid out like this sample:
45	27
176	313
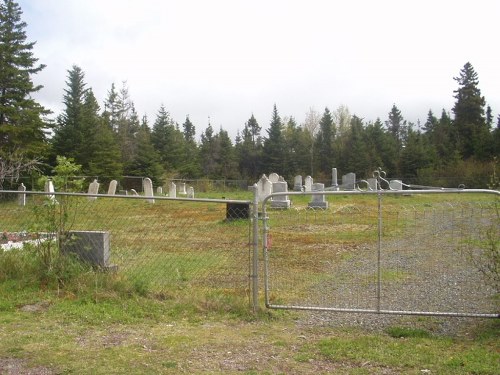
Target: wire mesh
169	245
427	261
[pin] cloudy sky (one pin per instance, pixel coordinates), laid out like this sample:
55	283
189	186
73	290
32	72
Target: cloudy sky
227	59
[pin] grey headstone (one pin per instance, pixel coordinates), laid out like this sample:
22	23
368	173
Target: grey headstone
93	189
190	192
182	188
274	177
396	185
112	187
372	184
335	182
264	188
159	190
134	192
90	246
349	181
318	201
308	184
172	191
148	189
297	183
280	201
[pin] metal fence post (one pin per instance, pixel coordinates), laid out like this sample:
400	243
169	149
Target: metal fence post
255	254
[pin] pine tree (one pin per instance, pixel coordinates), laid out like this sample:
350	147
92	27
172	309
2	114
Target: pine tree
188	161
273	149
22	123
474	138
397	126
250	150
324	143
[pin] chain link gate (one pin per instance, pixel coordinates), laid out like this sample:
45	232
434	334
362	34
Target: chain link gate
412	252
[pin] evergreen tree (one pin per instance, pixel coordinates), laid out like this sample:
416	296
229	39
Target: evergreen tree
249	150
397	127
68	137
227	166
470	124
324	143
189	167
355	157
208	152
415	155
273	148
381	148
22	123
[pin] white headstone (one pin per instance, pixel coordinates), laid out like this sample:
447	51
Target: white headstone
21	198
318	201
93	189
134	192
264	188
112	187
172	191
274	177
349	181
148	189
396	185
49	188
159	190
372	184
308	184
335	182
281	201
297	183
182	188
190	192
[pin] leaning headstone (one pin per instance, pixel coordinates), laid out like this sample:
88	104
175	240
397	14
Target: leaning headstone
172	191
93	189
148	189
182	188
264	188
297	183
318	201
396	185
281	201
134	192
190	192
21	198
308	184
159	190
274	177
335	183
112	187
349	181
49	188
372	184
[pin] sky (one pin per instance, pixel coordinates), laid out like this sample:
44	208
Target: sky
224	60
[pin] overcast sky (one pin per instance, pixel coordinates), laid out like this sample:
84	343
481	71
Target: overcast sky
227	59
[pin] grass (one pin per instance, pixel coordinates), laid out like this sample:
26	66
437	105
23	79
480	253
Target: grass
179	302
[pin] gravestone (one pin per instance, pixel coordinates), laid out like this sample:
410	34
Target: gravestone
148	189
274	177
372	184
182	188
93	189
281	201
90	246
396	185
159	190
49	188
172	191
134	192
264	188
349	181
112	187
318	201
297	183
190	192
308	184
21	198
335	182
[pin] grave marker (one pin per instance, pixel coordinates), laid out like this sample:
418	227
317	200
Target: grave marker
21	198
280	201
318	201
148	189
112	187
93	189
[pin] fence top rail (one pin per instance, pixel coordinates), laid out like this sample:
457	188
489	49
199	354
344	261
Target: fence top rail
120	196
380	192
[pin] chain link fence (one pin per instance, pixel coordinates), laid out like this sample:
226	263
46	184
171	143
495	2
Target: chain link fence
196	246
387	252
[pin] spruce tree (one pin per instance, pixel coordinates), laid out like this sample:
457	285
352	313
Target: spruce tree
474	138
273	149
324	143
22	119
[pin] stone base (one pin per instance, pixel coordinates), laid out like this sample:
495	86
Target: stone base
320	205
280	204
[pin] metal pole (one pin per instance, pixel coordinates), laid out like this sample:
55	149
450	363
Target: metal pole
255	255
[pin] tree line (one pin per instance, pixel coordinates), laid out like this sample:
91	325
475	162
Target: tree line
113	140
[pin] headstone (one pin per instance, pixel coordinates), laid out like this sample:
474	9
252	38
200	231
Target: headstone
335	182
349	181
21	198
274	177
134	192
182	188
112	187
281	201
396	185
148	189
190	192
372	184
264	188
297	183
172	191
308	184
159	190
89	246
49	188
318	201
93	189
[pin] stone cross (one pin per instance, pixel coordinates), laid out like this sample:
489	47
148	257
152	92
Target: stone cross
148	189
